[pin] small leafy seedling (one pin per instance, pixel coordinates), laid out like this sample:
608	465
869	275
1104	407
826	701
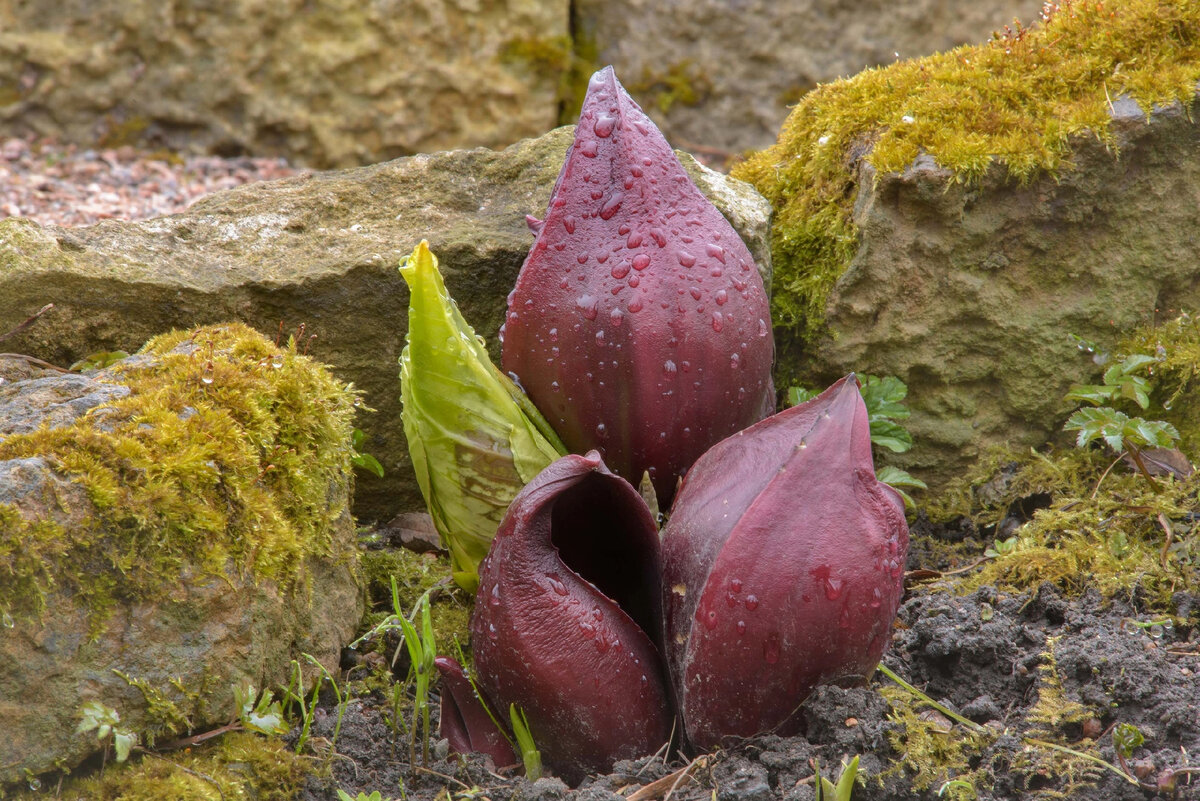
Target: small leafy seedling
884	399
106	722
1001	548
530	756
265	716
1122	433
361	459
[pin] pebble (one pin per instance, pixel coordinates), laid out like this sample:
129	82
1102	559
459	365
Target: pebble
55	184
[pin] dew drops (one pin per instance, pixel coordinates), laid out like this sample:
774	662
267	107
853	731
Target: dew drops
634	240
616	316
634	280
623	229
833	588
601	431
611	206
605	123
641	261
494	599
721	297
762	327
492	633
751	602
735	361
718	322
558	587
716	251
696	295
553	334
207	376
686	259
620	270
735	585
277	361
669	369
554	386
589	148
587	305
741	627
710	620
659	237
635	304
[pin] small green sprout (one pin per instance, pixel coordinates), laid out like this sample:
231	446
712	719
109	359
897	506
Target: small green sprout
98	361
105	721
842	791
344	796
1001	548
422	650
264	717
1126	737
530	756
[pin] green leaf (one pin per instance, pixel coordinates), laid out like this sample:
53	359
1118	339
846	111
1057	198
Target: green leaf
845	784
1094	394
474	438
892	436
1133	363
1102	422
798	395
883	396
895	477
367	462
1151	433
530	755
123	743
1127	737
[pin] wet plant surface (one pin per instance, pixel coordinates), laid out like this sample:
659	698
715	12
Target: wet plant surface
1051	682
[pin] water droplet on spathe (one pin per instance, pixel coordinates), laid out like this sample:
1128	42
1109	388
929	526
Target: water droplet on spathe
669	368
686	259
605	123
589	148
716	251
751	602
718	322
611	206
616	316
721	297
601	431
741	627
620	270
641	261
635	304
696	294
587	305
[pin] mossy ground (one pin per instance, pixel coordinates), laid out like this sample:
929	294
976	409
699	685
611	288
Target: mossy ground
1013	104
220	458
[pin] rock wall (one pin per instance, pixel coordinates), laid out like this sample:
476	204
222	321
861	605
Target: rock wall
338	82
327	83
970	293
320	250
721	75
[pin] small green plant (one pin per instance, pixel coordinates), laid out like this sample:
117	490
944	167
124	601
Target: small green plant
294	693
1125	435
530	756
842	791
361	459
106	722
422	650
884	399
344	796
1001	548
958	788
98	361
264	716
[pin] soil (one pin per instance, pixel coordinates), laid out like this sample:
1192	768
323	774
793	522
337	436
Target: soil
1035	665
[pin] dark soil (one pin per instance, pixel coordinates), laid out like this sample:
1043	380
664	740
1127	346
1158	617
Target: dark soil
1040	666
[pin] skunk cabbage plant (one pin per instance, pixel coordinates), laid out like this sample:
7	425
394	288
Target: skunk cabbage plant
567	618
465	721
783	568
639	324
473	436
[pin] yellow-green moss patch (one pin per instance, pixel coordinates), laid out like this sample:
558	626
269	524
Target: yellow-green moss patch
221	458
236	767
1014	102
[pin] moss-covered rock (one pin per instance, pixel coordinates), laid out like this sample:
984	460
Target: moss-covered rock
179	525
320	250
951	220
328	83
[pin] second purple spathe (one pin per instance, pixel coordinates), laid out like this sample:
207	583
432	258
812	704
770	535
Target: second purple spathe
639	324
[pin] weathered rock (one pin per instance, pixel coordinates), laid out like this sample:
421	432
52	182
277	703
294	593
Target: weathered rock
151	560
970	293
334	82
320	250
723	74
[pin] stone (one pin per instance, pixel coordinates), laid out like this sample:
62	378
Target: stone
156	598
721	75
319	250
329	83
970	294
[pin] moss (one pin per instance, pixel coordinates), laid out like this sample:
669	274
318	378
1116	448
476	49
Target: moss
929	752
236	767
124	132
1176	376
680	82
1111	539
220	459
1013	103
450	608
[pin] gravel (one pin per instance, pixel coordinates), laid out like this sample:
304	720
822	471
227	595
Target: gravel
58	184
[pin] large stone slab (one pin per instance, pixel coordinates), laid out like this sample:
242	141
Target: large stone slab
971	293
322	251
327	83
723	74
